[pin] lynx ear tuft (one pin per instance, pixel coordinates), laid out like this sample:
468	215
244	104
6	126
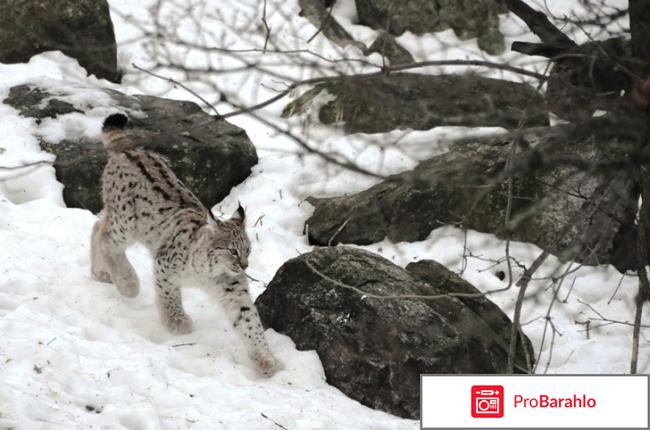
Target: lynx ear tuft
115	121
239	215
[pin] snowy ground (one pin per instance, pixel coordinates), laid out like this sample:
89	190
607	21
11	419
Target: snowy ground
75	354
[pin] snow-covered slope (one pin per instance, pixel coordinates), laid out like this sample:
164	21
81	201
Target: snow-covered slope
75	354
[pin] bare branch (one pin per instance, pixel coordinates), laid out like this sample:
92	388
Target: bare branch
540	25
23	166
266	26
185	87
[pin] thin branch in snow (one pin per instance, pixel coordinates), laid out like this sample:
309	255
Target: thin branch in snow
22	166
325	22
274	422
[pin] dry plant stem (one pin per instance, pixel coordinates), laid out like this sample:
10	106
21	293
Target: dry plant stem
539	24
303	144
266	26
642	261
637	324
22	166
325	21
515	328
175	82
548	319
329	242
606	320
275	423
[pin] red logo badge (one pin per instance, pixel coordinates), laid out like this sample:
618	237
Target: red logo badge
487	401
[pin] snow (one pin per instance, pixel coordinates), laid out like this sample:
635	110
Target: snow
75	354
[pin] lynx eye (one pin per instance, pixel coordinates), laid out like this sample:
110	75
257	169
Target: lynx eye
234	252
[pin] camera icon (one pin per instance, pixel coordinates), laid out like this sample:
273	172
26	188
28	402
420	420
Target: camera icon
487	401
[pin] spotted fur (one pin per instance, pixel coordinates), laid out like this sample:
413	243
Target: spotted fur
145	202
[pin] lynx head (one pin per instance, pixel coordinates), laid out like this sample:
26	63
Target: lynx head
113	133
228	242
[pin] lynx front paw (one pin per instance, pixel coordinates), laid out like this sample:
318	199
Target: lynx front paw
128	288
267	364
101	277
180	325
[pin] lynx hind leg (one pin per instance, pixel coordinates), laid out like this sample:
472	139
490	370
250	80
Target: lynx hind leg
112	249
98	269
170	302
246	322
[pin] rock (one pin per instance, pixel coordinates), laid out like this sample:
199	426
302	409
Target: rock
468	18
590	79
210	156
421	102
374	350
317	12
575	214
434	273
81	29
386	45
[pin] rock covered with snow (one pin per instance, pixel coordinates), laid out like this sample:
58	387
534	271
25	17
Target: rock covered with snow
468	18
374	350
421	102
210	156
463	187
81	29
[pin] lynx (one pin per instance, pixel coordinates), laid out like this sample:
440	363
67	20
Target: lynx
145	202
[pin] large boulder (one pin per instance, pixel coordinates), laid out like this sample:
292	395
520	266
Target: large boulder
374	350
318	13
386	46
562	201
590	78
209	155
422	102
81	29
468	18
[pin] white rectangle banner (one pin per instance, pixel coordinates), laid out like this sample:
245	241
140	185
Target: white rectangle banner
534	401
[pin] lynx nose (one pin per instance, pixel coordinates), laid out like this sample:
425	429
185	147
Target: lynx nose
243	262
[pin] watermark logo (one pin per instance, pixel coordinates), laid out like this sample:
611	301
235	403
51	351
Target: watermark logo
487	401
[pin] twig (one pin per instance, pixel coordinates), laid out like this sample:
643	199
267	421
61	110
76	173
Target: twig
642	260
175	82
35	163
329	242
515	327
183	344
346	164
259	220
548	319
601	317
540	25
325	22
550	353
276	423
620	282
587	325
266	26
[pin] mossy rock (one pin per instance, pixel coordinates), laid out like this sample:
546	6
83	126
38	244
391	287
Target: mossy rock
421	102
575	214
468	18
209	155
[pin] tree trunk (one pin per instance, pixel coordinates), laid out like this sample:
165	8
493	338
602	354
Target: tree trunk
640	30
